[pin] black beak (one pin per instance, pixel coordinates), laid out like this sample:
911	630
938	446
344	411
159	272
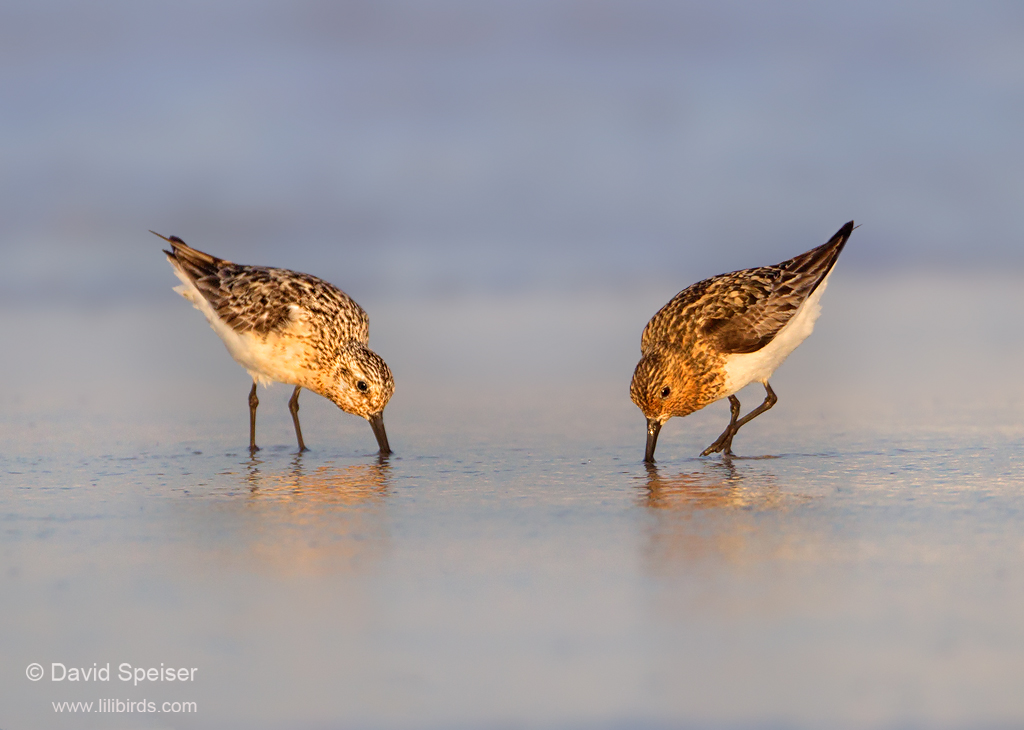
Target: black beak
653	429
377	424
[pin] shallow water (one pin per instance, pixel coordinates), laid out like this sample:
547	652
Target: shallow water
514	564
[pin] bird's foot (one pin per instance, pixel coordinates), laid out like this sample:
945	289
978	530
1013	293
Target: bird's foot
723	444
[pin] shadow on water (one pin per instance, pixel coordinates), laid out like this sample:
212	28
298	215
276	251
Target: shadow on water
300	518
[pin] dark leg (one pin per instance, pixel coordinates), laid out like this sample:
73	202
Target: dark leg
724	443
293	406
725	439
253	402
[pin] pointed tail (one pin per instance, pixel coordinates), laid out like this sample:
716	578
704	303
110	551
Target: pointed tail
190	261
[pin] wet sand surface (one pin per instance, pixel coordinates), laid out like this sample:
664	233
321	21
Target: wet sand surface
515	564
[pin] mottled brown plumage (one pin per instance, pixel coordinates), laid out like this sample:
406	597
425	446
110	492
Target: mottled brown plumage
290	327
260	299
716	336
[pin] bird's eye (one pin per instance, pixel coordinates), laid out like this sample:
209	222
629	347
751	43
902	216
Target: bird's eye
362	385
665	392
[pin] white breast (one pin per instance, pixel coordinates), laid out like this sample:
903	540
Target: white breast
745	368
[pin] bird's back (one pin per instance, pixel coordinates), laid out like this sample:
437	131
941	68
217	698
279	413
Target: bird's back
260	301
743	311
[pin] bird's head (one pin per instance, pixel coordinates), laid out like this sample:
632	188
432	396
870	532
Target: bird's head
361	384
662	388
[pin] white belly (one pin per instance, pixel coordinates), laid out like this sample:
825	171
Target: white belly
745	368
277	357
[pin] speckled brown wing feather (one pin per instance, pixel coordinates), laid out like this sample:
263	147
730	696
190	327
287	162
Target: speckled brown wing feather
742	311
262	300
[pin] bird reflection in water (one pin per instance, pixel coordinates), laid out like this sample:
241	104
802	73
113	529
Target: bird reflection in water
355	484
721	512
316	520
717	484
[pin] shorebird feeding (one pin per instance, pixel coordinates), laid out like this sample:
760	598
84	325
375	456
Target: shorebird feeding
725	332
290	327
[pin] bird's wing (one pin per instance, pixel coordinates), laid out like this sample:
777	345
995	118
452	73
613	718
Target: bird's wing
745	310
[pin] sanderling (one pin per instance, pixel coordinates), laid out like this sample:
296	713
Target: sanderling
290	327
722	333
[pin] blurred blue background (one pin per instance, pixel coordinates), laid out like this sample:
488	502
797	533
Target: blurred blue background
511	190
409	148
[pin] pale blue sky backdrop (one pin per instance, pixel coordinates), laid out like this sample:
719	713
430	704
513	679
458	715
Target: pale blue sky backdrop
400	147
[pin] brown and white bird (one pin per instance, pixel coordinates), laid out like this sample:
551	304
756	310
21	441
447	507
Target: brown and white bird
720	334
290	327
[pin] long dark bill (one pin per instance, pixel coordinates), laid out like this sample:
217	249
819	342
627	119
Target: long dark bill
653	429
377	424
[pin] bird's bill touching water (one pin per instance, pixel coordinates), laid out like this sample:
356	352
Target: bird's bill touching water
377	424
653	429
